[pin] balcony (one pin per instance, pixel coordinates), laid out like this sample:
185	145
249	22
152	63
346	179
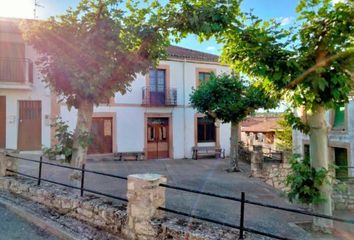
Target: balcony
156	97
16	73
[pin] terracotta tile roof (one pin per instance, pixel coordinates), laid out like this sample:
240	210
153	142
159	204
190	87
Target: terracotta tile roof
189	54
260	124
9	25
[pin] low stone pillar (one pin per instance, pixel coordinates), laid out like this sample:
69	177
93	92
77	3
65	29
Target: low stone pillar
6	163
144	198
286	155
256	161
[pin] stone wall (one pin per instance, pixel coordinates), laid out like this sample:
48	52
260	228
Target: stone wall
343	196
93	210
275	175
272	173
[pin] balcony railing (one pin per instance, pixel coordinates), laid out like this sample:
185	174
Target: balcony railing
16	71
157	97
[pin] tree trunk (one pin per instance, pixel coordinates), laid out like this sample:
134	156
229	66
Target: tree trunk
319	155
234	157
83	126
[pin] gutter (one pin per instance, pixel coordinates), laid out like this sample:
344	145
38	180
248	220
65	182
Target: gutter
184	108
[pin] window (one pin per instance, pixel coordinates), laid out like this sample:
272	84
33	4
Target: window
157	80
151	134
206	129
13	64
339	118
203	76
341	161
306	151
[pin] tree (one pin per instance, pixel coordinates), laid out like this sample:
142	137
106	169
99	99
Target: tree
284	135
229	99
90	53
309	65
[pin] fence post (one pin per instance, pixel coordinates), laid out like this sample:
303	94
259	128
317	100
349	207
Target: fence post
40	171
145	196
6	163
82	180
256	161
242	215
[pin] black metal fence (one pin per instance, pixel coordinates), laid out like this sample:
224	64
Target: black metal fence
242	228
242	200
159	97
82	170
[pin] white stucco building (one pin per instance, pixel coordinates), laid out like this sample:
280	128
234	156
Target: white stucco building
154	117
340	137
25	103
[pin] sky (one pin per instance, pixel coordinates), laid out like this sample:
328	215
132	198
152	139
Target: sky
283	10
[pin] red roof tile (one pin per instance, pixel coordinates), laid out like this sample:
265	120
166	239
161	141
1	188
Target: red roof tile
260	124
185	53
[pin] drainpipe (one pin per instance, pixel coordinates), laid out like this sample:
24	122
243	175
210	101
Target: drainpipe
184	108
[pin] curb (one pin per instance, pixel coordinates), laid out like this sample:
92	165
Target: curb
45	224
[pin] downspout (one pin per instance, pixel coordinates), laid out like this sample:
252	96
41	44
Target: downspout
184	108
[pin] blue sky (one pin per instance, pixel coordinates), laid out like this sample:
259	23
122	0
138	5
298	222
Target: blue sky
283	10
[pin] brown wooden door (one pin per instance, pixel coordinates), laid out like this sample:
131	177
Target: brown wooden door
157	138
101	132
2	121
30	125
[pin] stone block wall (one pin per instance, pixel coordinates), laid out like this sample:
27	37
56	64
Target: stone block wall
275	175
91	209
344	198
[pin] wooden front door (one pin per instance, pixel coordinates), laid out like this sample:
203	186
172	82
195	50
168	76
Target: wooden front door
2	121
30	125
157	138
101	132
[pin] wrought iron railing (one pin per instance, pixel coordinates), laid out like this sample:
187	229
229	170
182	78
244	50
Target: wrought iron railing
16	70
159	97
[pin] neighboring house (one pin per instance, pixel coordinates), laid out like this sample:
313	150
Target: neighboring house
259	131
154	117
341	136
25	103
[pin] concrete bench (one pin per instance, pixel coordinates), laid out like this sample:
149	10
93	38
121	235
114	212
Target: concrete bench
207	151
121	156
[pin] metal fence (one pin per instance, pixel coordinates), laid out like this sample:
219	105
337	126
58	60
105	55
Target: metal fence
82	170
242	200
242	228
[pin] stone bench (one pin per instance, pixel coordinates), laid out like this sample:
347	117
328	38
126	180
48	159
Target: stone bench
207	151
121	156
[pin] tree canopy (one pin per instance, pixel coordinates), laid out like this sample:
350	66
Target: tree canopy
229	98
91	52
309	65
286	61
